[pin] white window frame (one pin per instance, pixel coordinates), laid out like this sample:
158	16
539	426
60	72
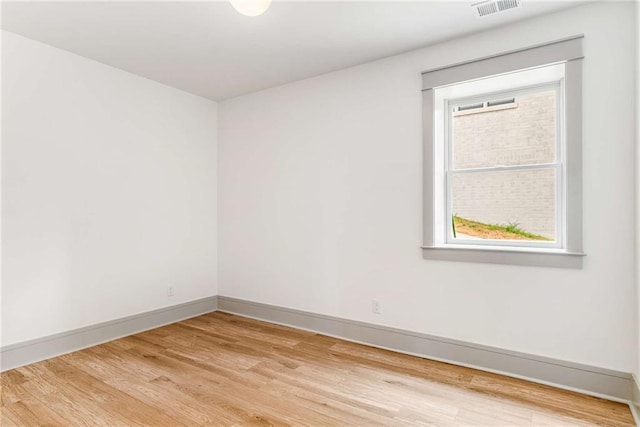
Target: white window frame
558	165
568	253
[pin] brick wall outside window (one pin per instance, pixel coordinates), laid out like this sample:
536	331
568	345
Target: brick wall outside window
508	136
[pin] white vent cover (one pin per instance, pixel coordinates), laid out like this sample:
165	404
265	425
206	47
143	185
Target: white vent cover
490	7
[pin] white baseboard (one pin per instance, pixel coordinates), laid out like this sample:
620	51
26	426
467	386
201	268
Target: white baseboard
634	404
595	381
24	353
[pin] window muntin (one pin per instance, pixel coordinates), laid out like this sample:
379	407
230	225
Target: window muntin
503	167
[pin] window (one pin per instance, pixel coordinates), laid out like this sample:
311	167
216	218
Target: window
503	167
503	158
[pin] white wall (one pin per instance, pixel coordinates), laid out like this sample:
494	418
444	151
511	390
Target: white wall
108	192
320	203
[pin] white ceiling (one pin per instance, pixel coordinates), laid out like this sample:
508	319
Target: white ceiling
209	49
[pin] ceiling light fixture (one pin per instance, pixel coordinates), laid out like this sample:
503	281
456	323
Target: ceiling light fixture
251	7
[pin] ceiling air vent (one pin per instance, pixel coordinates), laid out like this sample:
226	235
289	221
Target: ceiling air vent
494	6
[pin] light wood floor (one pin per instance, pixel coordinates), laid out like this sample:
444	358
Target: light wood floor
219	369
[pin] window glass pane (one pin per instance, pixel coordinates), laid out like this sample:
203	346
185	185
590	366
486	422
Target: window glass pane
505	132
505	205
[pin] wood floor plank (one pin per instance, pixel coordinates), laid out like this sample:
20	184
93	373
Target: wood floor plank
565	402
7	419
224	370
89	401
12	389
28	413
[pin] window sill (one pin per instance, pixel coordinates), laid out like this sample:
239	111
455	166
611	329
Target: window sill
504	255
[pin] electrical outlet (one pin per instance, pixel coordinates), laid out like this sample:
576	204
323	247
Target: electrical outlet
375	306
170	291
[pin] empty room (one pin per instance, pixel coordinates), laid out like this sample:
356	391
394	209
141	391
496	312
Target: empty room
320	213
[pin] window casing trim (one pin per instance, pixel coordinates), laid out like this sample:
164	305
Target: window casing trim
562	50
558	166
503	255
567	51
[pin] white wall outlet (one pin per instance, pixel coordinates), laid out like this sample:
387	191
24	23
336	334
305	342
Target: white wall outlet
375	306
170	291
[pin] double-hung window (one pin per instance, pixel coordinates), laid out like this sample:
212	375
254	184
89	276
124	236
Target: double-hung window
502	158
